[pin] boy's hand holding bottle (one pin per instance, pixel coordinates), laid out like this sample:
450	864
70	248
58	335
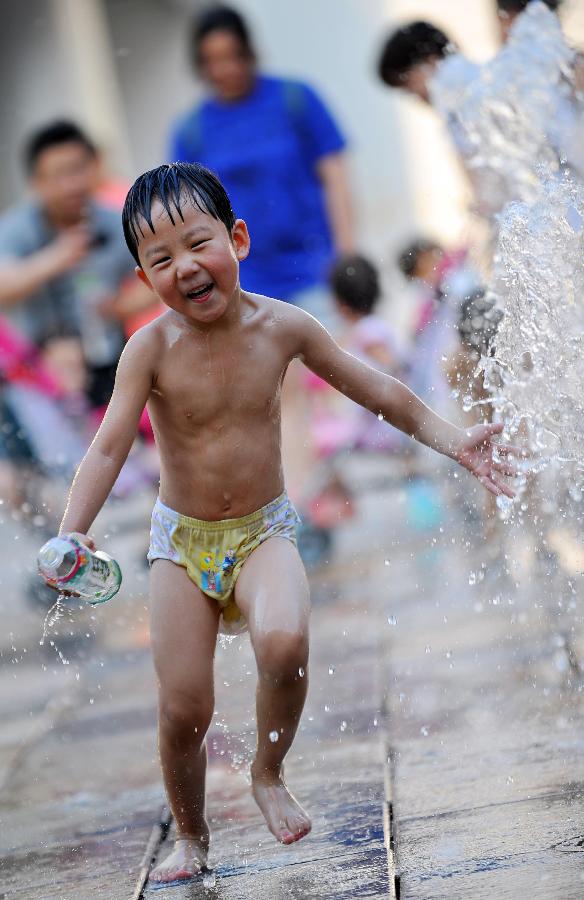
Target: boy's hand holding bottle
70	564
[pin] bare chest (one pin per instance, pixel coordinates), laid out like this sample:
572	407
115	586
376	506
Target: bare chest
200	388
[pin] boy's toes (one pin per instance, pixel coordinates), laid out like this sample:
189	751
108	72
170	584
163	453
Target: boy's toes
186	861
297	829
162	875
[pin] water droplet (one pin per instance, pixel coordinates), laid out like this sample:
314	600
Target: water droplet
331	670
424	731
391	620
301	672
274	736
209	880
385	562
428	648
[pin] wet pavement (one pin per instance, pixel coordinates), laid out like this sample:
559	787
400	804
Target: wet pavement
485	729
440	753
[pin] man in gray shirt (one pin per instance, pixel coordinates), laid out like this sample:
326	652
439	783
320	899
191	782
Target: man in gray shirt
62	256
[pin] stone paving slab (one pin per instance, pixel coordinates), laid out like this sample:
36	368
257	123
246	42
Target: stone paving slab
458	681
83	801
487	745
336	770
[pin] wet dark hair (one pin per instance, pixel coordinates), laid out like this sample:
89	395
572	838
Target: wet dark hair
220	18
52	135
407	261
517	6
173	184
408	47
355	283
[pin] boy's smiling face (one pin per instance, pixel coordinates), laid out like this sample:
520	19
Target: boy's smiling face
193	265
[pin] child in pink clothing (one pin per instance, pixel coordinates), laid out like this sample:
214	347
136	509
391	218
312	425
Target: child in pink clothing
338	423
355	285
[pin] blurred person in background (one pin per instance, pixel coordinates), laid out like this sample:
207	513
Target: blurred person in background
491	111
63	261
338	424
448	289
65	276
282	159
509	10
364	333
417	57
281	156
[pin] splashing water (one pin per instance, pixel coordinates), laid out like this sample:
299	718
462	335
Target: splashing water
513	115
225	640
209	880
52	617
56	612
536	374
515	121
518	123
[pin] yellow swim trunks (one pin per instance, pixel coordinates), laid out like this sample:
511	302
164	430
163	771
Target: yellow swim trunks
214	552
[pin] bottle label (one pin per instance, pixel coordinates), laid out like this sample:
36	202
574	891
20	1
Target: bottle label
100	567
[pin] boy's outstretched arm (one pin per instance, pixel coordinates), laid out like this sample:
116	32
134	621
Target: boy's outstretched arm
397	404
103	461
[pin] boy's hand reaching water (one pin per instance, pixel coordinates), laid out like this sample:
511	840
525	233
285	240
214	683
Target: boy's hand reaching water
487	460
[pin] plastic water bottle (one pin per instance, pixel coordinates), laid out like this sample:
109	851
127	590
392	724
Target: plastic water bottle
69	566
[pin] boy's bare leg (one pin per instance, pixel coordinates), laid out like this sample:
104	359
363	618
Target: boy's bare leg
183	624
272	592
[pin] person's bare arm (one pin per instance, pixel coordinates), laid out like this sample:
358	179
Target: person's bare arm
21	277
103	461
332	171
397	404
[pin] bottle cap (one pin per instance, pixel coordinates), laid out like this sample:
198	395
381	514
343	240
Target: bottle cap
52	554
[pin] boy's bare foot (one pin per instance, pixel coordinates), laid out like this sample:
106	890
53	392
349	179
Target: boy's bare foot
188	858
283	814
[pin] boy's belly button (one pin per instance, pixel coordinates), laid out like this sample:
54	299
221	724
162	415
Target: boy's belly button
227	502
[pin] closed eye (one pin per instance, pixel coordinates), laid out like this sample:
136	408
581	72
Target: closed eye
161	261
199	243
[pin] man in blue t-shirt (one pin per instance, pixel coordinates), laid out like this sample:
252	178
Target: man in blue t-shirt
281	157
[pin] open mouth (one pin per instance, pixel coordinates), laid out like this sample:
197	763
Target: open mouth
200	295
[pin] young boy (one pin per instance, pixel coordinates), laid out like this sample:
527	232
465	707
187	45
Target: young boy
211	370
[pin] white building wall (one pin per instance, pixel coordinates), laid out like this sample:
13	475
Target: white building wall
35	85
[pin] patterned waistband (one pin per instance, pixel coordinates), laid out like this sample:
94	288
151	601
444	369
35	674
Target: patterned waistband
223	524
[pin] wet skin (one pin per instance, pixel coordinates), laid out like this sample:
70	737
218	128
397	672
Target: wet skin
211	371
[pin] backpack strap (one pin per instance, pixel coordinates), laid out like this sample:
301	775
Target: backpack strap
191	134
